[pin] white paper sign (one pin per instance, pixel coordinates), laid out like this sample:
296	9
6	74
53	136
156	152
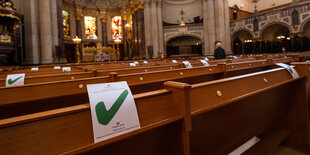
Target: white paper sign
113	110
204	62
66	69
235	57
136	62
207	59
15	80
35	69
132	64
174	61
187	64
290	69
145	62
57	67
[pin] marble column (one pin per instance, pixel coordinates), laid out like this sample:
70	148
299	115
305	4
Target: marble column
206	41
104	32
54	12
124	22
60	37
46	38
154	29
32	48
210	26
148	26
227	28
160	27
220	21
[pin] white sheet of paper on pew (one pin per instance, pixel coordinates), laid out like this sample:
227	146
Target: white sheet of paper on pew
145	62
204	62
15	80
290	69
136	62
66	69
187	64
57	67
113	110
132	64
174	61
35	69
207	59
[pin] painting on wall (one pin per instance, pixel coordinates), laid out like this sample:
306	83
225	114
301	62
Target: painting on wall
66	23
117	27
90	27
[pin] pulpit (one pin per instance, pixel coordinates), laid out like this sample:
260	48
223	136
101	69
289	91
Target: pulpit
10	24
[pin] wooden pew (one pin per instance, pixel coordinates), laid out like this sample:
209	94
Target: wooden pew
181	119
40	78
63	130
32	96
232	111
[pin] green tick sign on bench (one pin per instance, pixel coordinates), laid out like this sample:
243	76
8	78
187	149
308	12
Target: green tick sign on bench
15	80
113	110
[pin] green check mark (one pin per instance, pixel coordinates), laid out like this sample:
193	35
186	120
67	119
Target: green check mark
104	116
10	81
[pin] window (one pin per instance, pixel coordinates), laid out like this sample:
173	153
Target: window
117	27
90	27
66	23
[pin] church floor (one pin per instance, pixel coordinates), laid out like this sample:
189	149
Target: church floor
281	150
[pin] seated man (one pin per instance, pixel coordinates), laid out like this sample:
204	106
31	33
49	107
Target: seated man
219	52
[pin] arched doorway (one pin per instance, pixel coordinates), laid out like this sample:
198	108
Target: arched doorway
306	37
242	42
276	39
184	45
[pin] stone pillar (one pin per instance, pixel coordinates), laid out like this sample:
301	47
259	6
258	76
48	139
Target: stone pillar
154	29
206	41
220	21
46	37
160	27
148	26
227	28
210	26
32	49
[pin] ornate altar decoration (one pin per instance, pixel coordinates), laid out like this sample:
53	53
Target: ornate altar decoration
66	23
98	53
10	22
117	32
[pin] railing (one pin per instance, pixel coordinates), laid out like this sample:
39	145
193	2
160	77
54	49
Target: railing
284	12
189	27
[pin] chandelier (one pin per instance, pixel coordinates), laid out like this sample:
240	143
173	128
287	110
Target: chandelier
255	6
182	13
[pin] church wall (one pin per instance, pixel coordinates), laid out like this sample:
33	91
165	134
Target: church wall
171	12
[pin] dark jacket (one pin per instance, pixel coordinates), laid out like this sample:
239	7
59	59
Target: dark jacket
219	53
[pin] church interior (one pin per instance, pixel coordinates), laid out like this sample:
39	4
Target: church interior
155	77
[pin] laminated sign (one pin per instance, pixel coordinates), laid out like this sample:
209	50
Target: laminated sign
174	61
132	64
15	80
66	69
290	69
187	64
204	62
113	110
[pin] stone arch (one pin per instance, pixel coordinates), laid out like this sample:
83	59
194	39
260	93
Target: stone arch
261	31
180	35
303	24
242	29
